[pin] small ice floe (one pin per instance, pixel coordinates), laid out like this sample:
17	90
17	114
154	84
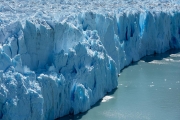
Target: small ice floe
157	62
171	60
106	98
168	59
175	55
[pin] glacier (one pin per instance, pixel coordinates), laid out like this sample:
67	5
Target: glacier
59	57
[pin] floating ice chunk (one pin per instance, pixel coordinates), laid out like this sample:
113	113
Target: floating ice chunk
157	62
106	98
151	85
171	60
175	55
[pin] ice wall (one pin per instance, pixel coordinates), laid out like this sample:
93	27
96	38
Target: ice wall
50	68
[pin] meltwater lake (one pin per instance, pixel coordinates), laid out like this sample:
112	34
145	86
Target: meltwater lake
147	90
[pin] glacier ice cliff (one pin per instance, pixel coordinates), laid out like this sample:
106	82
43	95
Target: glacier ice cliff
60	57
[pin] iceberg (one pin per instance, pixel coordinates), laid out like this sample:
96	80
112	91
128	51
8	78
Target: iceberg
59	57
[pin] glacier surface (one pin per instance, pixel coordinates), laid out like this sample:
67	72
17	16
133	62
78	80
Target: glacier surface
61	56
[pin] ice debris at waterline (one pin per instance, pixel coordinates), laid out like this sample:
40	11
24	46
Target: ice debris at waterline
61	56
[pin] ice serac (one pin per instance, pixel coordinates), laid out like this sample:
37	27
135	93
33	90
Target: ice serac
57	62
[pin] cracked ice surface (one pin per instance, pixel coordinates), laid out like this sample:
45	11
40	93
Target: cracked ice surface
60	56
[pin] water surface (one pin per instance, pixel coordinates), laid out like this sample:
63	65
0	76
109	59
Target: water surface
147	90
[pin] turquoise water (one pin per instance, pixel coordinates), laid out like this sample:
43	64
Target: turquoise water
147	90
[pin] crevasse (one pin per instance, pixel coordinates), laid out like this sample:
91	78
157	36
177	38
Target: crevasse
49	69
